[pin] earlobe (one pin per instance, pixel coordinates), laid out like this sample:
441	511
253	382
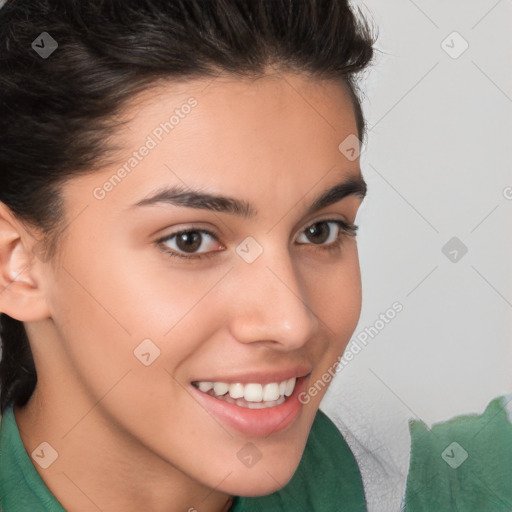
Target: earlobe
21	294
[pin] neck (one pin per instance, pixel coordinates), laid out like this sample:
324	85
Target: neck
102	468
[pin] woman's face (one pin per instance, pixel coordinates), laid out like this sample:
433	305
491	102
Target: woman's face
253	293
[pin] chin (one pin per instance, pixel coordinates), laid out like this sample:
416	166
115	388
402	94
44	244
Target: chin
260	481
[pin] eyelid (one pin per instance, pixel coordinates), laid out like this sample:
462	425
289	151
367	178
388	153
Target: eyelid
342	222
347	229
189	229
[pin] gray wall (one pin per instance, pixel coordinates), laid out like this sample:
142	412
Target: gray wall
438	165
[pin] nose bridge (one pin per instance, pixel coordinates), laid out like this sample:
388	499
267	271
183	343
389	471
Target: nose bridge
271	303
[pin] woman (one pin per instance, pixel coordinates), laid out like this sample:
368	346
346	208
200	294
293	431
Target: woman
179	185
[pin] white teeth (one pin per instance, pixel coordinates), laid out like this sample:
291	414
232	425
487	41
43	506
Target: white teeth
220	388
252	392
290	385
236	390
270	392
205	386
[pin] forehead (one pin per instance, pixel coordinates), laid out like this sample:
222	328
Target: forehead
280	132
280	107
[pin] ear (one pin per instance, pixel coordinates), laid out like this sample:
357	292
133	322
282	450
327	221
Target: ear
21	293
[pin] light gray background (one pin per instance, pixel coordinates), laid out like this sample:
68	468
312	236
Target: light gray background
438	164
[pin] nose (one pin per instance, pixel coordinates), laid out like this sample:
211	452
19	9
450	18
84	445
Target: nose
270	303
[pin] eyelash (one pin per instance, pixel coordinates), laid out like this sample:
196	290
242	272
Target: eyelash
346	230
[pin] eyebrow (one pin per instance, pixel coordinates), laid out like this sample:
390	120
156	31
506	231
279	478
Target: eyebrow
181	195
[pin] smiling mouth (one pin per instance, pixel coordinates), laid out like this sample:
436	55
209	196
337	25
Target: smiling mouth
252	395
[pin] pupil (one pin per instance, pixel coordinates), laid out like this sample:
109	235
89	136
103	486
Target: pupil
191	241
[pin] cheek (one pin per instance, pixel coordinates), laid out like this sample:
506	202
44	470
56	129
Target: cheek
111	309
336	295
335	292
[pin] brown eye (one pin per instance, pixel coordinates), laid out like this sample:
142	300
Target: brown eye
321	233
323	237
199	243
191	243
318	233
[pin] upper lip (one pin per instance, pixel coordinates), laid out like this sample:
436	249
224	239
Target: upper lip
259	376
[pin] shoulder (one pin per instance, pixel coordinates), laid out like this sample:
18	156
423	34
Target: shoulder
328	468
21	487
463	463
326	478
326	447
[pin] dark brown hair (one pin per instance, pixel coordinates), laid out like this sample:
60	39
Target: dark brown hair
57	112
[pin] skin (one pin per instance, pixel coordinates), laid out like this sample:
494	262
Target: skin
131	437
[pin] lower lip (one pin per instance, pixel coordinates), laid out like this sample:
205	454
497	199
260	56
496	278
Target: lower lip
256	422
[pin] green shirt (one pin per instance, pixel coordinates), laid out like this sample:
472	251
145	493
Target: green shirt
326	480
463	464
